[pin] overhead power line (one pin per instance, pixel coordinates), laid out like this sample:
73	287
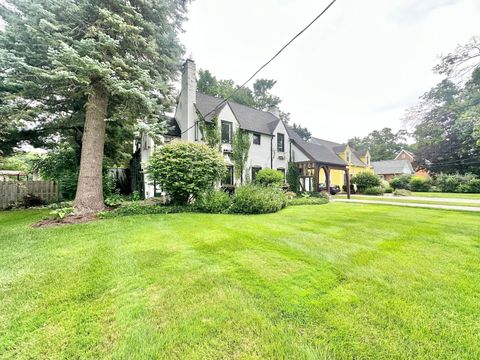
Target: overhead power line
224	101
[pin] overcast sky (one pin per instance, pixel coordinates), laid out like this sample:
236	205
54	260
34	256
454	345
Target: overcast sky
356	70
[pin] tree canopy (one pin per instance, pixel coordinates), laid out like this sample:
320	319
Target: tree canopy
383	144
447	119
67	68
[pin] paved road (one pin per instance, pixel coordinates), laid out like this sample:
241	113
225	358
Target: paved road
418	205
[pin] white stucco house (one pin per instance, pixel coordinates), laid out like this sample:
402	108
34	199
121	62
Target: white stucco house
273	144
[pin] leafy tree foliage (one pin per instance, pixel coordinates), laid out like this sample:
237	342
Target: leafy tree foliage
302	131
382	144
293	177
65	63
447	119
186	170
241	146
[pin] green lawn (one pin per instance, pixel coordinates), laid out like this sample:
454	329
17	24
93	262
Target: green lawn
331	281
401	199
446	195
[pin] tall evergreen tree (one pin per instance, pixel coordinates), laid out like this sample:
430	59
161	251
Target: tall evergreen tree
98	61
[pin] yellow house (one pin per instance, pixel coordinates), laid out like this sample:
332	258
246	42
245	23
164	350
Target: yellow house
358	161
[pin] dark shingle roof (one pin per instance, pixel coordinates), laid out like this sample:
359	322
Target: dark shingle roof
392	167
249	119
172	128
338	148
316	152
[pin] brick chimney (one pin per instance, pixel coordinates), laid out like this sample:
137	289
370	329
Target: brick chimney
186	114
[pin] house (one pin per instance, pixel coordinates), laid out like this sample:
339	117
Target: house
273	143
388	169
358	161
409	156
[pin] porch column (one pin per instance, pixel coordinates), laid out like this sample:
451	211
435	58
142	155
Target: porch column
347	173
316	177
327	178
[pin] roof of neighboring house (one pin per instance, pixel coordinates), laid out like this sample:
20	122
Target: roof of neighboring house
394	167
316	152
172	128
339	148
409	153
249	118
13	173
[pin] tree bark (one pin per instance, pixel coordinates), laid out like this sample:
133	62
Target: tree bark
89	196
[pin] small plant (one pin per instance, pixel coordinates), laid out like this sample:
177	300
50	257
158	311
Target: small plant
60	214
402	192
375	190
269	177
389	190
214	202
290	195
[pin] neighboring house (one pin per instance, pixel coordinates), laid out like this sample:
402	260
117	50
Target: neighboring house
358	161
388	169
273	144
409	156
13	175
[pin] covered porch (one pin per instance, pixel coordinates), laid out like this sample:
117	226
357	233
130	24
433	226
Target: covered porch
310	175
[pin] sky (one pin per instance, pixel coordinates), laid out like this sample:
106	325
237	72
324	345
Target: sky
357	69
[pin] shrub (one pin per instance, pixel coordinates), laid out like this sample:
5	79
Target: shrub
114	200
402	192
448	183
474	185
467	183
293	177
385	184
32	200
214	202
375	190
186	170
365	180
254	199
420	184
269	177
400	182
308	201
389	190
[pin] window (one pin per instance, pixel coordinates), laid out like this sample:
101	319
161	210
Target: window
282	171
257	139
368	160
226	132
255	170
228	179
280	142
347	155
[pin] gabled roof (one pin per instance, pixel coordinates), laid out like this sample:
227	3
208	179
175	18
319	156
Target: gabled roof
316	152
248	118
388	167
412	155
339	148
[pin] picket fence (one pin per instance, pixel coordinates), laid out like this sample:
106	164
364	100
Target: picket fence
13	192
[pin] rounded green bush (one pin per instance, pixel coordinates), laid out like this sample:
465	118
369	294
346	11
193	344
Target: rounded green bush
418	183
186	170
365	180
400	182
255	199
269	177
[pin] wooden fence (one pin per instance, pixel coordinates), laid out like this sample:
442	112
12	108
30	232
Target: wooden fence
13	192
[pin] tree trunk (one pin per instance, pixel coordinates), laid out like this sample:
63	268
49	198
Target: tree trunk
89	196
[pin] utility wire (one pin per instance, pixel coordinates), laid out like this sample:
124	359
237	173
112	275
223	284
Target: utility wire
224	101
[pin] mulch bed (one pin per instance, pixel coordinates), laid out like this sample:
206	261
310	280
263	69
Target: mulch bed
68	220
